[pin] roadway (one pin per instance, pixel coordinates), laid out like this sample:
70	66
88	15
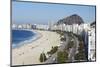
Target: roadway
71	52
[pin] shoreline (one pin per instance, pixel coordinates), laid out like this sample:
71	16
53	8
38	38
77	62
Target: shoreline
33	38
29	53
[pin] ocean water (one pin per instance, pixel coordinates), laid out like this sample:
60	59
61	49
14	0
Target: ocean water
20	36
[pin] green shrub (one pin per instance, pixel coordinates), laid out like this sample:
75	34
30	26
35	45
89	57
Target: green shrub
70	44
62	57
81	46
63	39
53	50
42	57
80	56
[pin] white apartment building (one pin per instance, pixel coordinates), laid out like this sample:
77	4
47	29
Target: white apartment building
91	45
21	26
43	27
14	26
75	28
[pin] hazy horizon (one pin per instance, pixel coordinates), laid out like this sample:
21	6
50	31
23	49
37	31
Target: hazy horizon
42	13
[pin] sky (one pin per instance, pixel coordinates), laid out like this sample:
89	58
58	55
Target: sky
43	13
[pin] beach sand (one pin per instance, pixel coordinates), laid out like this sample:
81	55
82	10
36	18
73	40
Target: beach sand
29	53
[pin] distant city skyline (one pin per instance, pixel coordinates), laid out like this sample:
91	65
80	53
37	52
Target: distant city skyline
43	13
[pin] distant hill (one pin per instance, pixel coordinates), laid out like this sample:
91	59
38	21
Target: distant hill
93	23
73	19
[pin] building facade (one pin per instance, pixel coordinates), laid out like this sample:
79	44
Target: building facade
92	44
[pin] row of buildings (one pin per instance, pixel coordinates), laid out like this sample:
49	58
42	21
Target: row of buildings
21	26
30	26
75	28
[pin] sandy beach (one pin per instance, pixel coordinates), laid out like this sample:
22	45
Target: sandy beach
29	53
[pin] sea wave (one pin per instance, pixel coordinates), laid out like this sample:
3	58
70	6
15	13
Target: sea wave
31	39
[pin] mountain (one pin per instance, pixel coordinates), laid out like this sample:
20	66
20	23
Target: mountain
93	23
73	19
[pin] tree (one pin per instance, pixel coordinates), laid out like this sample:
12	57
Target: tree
63	39
81	46
70	44
42	57
53	50
80	56
80	38
62	56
